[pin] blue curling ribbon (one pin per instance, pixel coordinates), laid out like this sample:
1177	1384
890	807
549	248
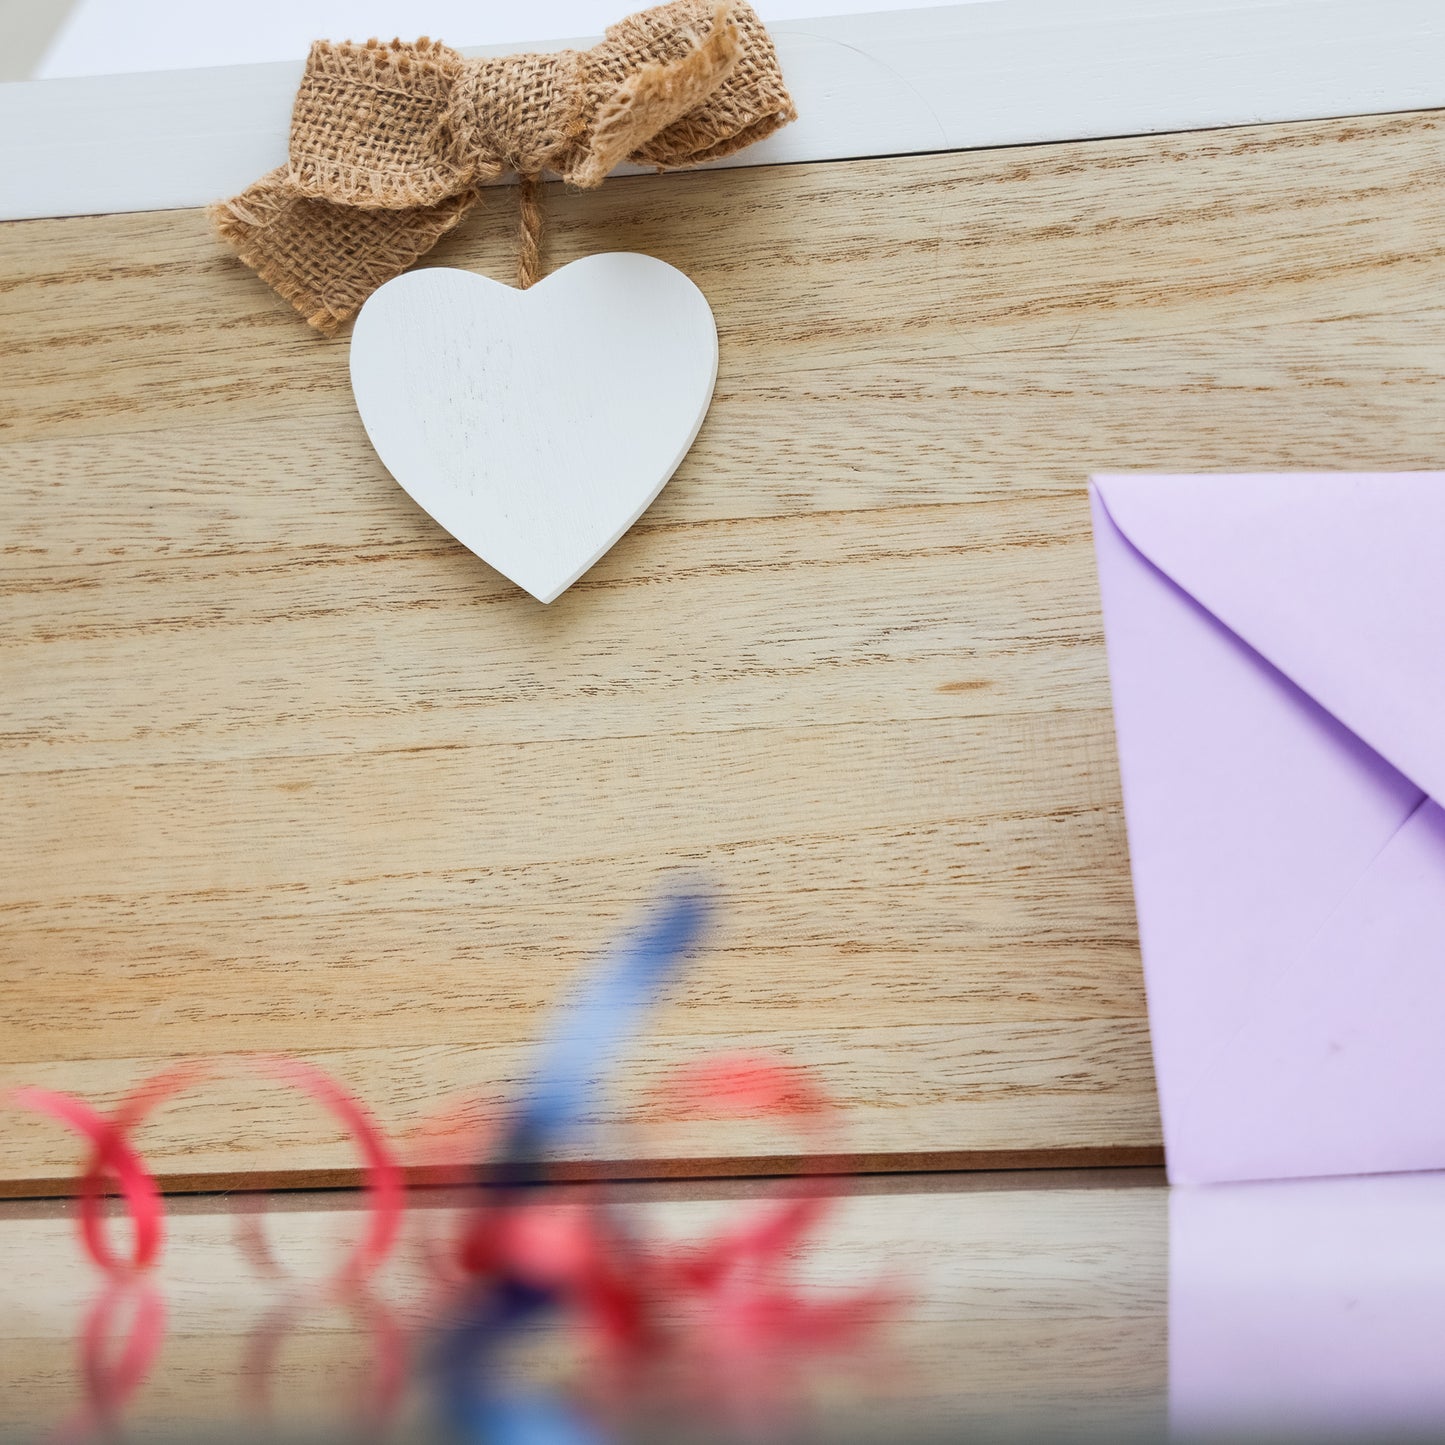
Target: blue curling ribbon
477	1408
595	1025
572	1066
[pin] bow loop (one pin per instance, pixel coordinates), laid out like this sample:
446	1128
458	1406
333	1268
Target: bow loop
382	126
389	142
650	98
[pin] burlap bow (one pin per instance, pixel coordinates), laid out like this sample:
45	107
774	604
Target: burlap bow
389	143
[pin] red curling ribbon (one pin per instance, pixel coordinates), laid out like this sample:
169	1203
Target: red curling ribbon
626	1290
579	1251
737	1288
123	1118
740	1085
383	1180
447	1149
382	1175
387	1372
111	1154
347	1286
113	1376
158	1089
113	1373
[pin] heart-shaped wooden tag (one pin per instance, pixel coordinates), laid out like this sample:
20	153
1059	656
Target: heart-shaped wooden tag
536	426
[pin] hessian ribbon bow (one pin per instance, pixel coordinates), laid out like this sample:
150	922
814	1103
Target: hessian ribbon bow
390	142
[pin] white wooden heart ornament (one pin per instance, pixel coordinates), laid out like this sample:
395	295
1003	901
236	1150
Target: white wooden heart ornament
536	426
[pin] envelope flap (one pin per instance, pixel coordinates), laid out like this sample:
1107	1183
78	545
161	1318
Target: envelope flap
1338	580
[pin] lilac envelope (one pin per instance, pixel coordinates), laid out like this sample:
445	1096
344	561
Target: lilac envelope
1277	653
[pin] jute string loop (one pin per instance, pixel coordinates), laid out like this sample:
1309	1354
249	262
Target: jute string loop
529	231
390	143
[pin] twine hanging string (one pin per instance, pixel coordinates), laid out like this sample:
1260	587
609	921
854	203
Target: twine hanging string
390	144
529	231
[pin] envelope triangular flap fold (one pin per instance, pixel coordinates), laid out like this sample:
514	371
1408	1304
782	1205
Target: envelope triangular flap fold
1339	580
1273	646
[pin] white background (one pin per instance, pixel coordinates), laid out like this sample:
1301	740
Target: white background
103	37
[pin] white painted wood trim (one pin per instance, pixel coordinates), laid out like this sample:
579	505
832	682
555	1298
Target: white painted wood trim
950	78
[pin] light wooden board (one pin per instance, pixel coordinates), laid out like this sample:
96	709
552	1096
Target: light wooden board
286	768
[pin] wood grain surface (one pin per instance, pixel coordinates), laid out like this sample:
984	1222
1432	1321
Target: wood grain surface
284	767
1009	1301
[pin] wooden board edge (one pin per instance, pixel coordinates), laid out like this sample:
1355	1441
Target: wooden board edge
776	1166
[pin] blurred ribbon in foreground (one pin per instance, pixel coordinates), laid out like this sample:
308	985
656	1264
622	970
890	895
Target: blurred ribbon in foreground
718	1325
598	1023
724	1313
391	143
114	1157
579	1260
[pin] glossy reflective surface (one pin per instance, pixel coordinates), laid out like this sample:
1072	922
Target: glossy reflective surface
976	1299
1019	1307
